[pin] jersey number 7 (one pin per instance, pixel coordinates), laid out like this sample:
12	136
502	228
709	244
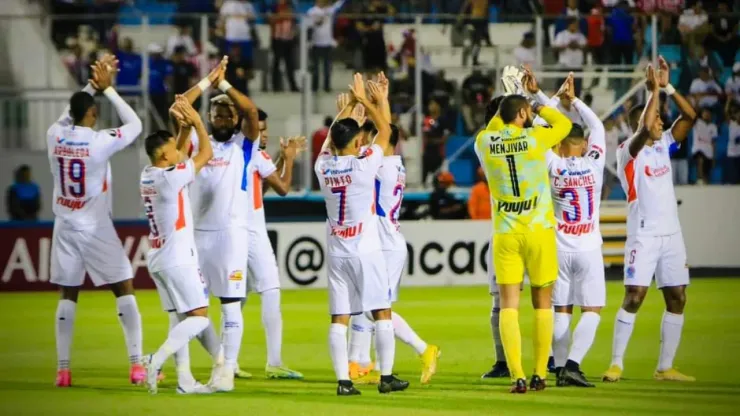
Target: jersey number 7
72	170
342	192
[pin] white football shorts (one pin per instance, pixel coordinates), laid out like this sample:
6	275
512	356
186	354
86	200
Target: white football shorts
181	289
395	261
581	280
223	260
662	256
358	284
261	263
97	251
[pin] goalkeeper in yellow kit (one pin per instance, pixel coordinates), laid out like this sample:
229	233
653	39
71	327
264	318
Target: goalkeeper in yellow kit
512	153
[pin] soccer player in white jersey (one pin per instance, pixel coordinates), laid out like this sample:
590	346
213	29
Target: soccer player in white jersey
654	240
576	177
263	271
84	239
389	186
357	275
172	259
220	200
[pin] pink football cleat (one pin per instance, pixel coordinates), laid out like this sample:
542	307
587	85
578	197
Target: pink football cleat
138	374
64	378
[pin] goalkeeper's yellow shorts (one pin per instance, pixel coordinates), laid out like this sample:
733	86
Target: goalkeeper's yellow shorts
536	252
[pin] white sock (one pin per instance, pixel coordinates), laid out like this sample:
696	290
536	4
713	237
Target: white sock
670	336
623	326
385	345
561	338
209	340
338	351
495	331
182	356
232	330
64	324
272	321
179	337
128	314
403	331
360	340
583	336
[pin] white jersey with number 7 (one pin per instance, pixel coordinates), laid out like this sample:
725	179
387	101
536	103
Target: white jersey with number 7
348	186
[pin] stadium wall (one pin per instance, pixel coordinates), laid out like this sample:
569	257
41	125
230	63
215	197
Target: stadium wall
441	253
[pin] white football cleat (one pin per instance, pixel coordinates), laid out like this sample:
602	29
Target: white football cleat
194	388
151	374
222	378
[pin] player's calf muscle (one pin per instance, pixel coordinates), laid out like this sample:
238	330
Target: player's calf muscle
675	298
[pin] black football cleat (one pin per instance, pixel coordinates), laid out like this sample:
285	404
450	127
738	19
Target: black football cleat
391	383
519	386
499	370
346	388
537	383
557	371
551	366
573	376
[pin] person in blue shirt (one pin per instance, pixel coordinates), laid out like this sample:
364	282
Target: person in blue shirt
129	64
23	197
160	81
621	26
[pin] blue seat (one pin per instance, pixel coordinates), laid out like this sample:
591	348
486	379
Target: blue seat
675	76
463	171
671	53
453	144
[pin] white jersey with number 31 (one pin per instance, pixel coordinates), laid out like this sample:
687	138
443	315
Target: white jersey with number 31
389	186
348	186
167	205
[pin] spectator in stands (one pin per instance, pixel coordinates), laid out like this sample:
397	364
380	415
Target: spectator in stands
723	37
479	202
239	72
160	77
732	85
181	38
477	91
322	40
705	91
669	33
435	131
442	204
403	134
129	68
703	58
23	197
526	52
621	27
184	73
694	26
595	35
236	20
318	139
475	13
283	34
732	162
705	134
570	44
374	51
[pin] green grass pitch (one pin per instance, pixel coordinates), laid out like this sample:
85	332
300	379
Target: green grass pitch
454	318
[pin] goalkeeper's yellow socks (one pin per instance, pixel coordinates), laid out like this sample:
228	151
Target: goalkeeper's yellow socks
543	327
511	337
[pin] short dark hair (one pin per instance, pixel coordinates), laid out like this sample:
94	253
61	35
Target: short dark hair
634	115
368	126
156	140
328	121
492	107
576	132
343	131
511	105
179	49
395	135
261	115
79	103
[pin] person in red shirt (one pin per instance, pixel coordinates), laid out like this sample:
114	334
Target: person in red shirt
479	203
318	139
595	38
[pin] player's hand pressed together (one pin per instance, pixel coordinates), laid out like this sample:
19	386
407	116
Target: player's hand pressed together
218	73
102	78
373	112
530	81
290	148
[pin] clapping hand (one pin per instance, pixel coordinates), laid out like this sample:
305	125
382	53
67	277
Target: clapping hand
292	147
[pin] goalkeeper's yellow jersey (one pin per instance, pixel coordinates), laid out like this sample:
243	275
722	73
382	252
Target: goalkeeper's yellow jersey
514	162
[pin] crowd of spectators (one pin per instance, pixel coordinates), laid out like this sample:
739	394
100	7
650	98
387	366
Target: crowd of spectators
702	38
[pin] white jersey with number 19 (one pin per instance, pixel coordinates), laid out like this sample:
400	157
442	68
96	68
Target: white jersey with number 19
348	186
389	186
167	205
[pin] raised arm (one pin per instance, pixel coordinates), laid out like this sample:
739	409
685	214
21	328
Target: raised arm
345	105
216	73
281	179
246	107
384	105
597	133
102	81
649	115
683	124
110	64
375	115
192	119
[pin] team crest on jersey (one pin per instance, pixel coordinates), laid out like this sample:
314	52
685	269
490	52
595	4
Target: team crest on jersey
630	272
180	166
115	133
236	276
368	152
